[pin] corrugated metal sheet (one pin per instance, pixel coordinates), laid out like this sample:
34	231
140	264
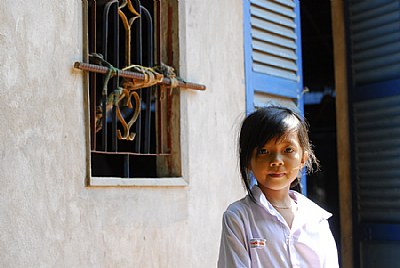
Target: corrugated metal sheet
375	37
273	30
377	150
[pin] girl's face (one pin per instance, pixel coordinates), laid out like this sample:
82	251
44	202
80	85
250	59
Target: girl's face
277	164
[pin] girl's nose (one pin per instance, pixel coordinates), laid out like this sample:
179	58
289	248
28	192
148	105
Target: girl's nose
276	162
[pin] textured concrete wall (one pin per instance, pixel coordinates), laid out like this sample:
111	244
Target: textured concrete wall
48	218
213	54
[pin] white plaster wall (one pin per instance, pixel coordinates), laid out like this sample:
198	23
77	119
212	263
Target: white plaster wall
48	218
213	54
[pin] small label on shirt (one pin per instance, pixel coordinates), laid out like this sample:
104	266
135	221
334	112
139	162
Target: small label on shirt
257	243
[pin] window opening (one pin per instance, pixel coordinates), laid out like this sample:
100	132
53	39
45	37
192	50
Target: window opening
130	88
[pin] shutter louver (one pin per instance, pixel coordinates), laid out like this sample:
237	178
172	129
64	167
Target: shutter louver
375	37
377	148
273	38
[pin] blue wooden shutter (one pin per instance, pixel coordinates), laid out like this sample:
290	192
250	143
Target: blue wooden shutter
374	35
272	51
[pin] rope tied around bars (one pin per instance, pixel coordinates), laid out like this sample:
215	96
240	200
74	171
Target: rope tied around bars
151	78
169	72
122	96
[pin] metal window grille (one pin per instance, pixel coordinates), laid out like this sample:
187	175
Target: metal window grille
132	96
128	127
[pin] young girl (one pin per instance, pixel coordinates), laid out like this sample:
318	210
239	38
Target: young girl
274	226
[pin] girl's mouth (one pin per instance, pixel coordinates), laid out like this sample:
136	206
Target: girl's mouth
276	175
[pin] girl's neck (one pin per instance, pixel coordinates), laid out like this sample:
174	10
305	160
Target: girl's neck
283	203
278	198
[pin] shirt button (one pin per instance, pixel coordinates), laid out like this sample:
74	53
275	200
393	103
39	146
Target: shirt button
287	240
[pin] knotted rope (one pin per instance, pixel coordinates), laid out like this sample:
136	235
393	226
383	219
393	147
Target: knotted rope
123	94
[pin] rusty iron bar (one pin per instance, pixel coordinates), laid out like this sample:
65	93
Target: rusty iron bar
110	17
138	59
150	62
127	153
92	77
135	76
159	104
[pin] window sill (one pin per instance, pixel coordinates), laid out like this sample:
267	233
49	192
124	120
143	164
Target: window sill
137	182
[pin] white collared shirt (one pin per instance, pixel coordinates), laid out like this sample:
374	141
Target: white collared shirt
256	235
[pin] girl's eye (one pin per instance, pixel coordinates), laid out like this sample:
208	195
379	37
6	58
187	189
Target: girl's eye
289	150
262	151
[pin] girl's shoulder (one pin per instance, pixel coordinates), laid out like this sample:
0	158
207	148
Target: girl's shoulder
240	208
238	214
240	205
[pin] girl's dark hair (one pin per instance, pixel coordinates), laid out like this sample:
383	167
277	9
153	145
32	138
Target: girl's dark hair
266	124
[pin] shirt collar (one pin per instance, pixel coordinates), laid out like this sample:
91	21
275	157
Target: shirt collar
309	209
262	200
306	208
